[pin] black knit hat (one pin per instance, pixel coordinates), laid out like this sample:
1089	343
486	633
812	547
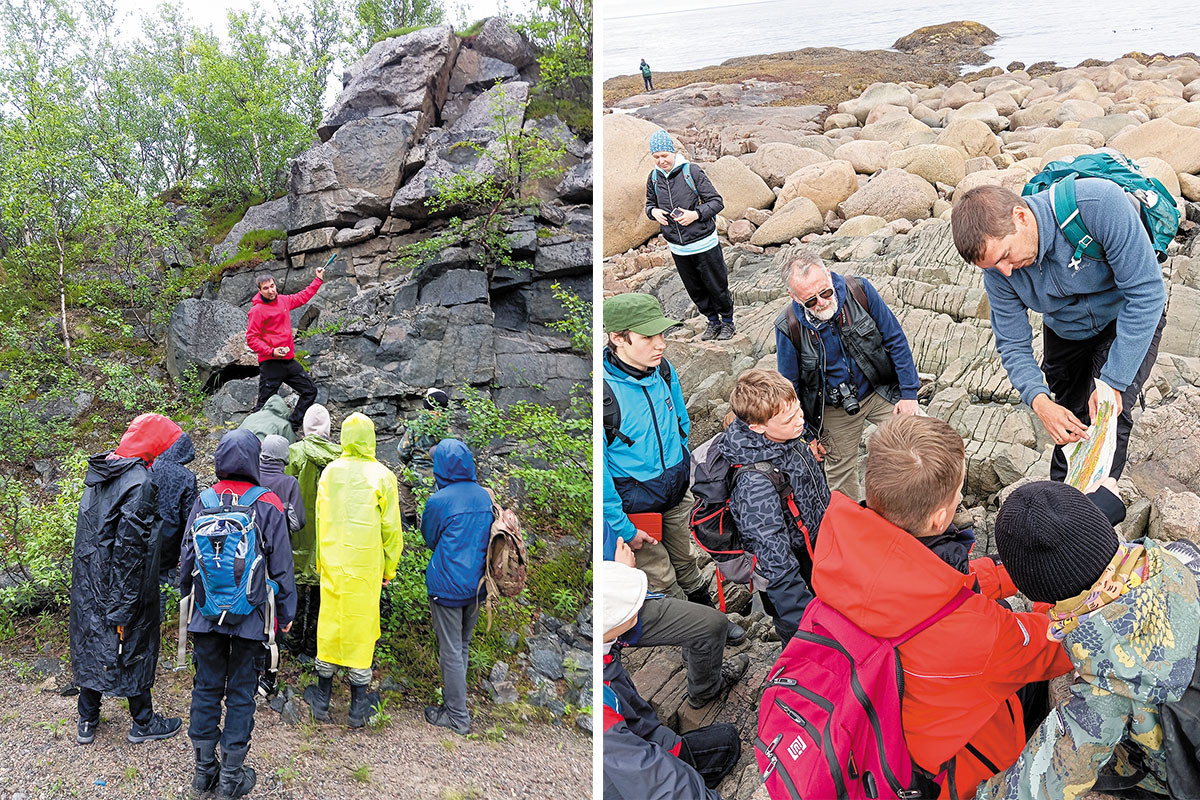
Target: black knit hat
1053	540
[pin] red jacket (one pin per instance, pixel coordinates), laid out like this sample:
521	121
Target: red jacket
960	674
270	324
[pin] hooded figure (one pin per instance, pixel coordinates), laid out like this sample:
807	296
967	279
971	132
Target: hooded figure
114	620
176	487
271	419
358	545
271	472
457	526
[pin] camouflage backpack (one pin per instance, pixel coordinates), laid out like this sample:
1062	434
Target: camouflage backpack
507	564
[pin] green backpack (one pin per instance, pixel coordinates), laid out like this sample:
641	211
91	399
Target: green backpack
1158	212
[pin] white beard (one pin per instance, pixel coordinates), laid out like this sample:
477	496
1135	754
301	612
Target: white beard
826	315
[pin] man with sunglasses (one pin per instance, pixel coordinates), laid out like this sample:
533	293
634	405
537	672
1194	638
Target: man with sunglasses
844	351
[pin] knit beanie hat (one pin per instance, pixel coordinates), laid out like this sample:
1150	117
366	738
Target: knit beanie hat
274	447
623	590
1053	540
660	142
316	420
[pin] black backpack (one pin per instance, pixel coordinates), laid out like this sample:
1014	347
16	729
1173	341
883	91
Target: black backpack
612	409
712	523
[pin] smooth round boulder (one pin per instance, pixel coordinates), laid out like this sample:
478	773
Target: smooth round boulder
826	184
893	194
798	218
862	225
839	121
1038	115
1077	110
1013	178
1109	125
1157	168
879	93
970	137
865	155
738	186
1179	146
1064	152
904	132
775	161
740	231
936	163
959	94
627	164
985	112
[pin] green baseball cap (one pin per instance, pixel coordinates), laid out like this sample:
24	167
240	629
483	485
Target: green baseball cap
637	312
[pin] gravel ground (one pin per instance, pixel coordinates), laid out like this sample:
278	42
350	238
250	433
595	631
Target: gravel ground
406	758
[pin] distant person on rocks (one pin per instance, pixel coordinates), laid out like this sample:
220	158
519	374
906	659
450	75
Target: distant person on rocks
975	680
1128	615
414	452
1100	319
269	335
115	623
643	758
646	79
176	488
307	459
456	526
647	467
681	198
270	420
230	657
358	546
701	630
769	430
846	354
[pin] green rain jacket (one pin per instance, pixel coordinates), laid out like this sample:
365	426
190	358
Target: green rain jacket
307	459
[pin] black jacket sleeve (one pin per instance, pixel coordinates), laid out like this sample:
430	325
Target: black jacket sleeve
280	565
651	195
130	555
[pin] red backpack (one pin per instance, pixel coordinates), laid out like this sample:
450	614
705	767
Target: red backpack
829	722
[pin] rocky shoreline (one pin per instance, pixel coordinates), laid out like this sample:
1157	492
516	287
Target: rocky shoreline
870	184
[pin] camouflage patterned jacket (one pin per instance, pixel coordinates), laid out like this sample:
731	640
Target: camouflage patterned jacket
1132	655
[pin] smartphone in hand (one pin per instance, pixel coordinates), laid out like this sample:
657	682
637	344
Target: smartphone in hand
677	213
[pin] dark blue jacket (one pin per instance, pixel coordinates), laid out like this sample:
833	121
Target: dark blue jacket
456	525
236	462
177	491
286	488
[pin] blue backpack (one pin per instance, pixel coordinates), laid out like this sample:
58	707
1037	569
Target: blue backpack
1158	212
230	577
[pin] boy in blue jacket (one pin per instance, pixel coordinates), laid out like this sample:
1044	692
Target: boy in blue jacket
456	525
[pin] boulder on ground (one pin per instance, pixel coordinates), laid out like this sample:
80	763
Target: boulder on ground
738	186
826	184
971	137
775	161
890	93
862	225
740	231
1013	178
893	194
935	163
865	155
799	217
1161	138
1157	168
904	132
985	112
627	164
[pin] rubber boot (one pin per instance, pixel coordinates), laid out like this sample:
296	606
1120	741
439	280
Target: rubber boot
317	697
362	701
236	780
208	771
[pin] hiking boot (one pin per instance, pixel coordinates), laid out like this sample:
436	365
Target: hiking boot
268	684
362	703
317	696
86	732
731	672
714	328
236	780
208	770
438	715
159	727
727	331
700	597
735	635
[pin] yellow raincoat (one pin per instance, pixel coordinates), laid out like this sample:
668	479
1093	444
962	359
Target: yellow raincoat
359	543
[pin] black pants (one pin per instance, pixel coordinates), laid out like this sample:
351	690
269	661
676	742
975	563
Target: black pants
1071	365
707	283
140	706
227	668
1035	705
276	371
303	636
713	751
649	83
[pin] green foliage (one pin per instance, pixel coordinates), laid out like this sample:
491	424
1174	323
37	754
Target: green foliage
551	457
377	20
559	583
361	773
484	198
260	239
577	318
562	30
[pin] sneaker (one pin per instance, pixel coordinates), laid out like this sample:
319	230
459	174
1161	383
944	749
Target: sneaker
714	328
159	727
727	331
268	685
736	635
86	732
438	715
731	672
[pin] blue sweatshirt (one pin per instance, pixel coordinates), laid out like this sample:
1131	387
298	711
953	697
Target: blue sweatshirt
837	366
1078	304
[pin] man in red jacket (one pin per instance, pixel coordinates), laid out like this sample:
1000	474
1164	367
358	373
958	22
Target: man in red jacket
269	334
972	681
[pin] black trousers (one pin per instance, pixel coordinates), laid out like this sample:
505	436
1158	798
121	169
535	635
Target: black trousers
303	636
276	371
227	668
707	282
713	751
649	84
140	706
1071	365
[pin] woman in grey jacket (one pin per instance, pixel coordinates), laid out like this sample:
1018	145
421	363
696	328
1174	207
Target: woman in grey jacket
681	198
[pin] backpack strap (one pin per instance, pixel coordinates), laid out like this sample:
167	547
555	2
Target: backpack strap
963	595
1066	214
787	495
687	177
209	499
795	332
855	287
252	496
612	418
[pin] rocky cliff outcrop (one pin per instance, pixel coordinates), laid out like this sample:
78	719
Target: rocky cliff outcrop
415	110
